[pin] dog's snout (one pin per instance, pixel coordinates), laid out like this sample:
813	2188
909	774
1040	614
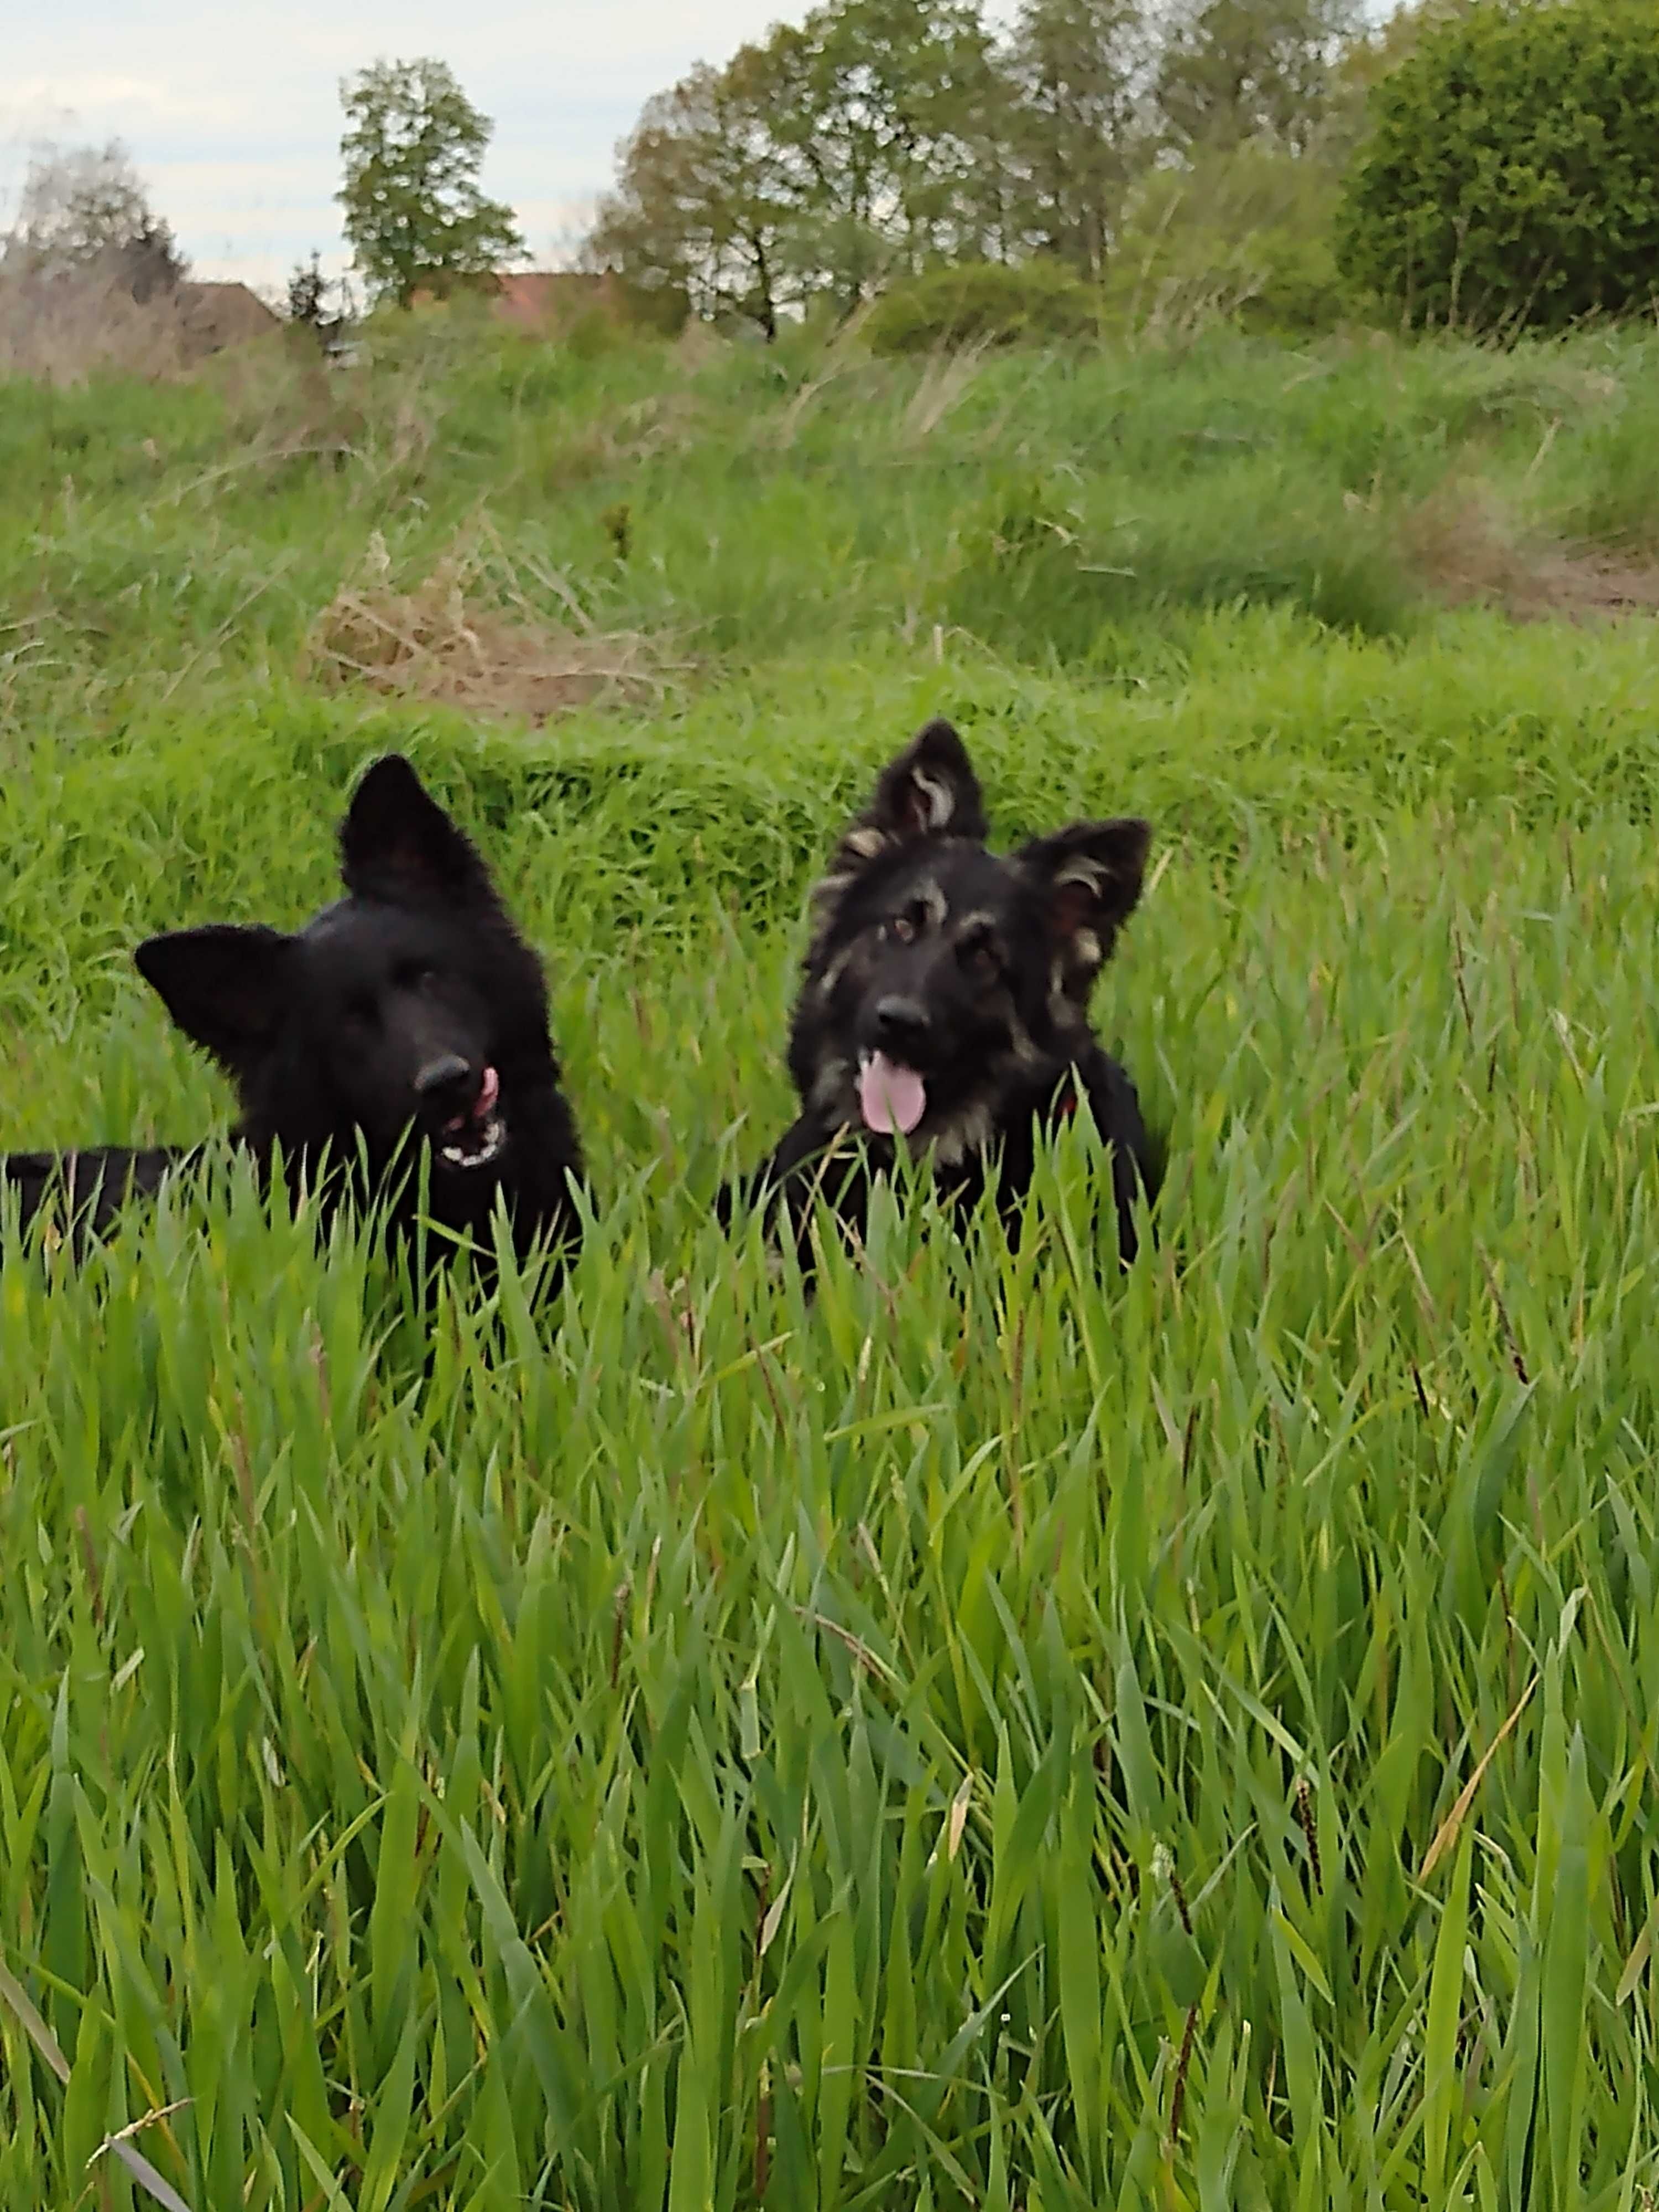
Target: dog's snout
444	1080
900	1022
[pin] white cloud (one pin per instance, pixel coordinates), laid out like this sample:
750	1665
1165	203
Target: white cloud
111	94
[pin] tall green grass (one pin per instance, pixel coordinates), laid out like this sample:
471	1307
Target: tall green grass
159	543
998	1737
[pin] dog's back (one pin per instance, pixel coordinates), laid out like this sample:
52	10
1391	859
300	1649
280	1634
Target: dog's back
85	1191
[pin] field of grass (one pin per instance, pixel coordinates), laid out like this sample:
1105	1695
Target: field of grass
999	1737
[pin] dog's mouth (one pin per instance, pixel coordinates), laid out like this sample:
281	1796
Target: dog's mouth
476	1138
892	1097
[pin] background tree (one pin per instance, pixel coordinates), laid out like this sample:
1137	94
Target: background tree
1078	134
307	295
1230	71
1365	60
865	141
889	122
414	211
84	212
878	141
1510	176
702	204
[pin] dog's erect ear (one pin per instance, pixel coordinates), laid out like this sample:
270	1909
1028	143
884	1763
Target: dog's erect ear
1089	875
225	986
397	843
929	790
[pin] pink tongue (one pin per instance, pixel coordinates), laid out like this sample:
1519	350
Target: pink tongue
891	1096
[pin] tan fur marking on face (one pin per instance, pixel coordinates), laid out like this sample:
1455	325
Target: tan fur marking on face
831	1084
1022	1050
934	902
970	1131
1073	971
866	842
1064	997
833	974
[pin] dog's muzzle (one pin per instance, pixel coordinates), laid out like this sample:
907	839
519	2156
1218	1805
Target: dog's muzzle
476	1136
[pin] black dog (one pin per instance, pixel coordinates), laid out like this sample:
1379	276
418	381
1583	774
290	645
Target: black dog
396	1047
943	1004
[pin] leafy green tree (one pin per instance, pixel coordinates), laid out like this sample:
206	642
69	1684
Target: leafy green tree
888	119
84	211
1381	48
1510	176
1078	131
704	205
864	141
307	295
878	140
1233	70
1375	53
415	214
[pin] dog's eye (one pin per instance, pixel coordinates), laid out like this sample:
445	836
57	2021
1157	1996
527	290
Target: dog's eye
415	975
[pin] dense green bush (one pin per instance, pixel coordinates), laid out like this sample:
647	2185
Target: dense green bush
1241	236
1511	175
983	301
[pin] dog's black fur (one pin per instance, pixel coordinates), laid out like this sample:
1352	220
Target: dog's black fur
410	1009
945	982
92	1185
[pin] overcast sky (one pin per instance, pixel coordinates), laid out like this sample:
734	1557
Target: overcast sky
231	107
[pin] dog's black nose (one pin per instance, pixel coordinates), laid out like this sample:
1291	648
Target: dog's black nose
901	1024
445	1081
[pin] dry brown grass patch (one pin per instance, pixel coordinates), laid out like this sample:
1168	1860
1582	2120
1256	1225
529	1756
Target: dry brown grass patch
61	331
286	395
285	402
470	635
1470	547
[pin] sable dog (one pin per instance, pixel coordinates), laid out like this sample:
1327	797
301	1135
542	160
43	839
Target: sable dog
943	1002
405	1026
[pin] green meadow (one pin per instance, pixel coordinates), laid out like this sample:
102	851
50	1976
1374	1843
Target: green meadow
999	1736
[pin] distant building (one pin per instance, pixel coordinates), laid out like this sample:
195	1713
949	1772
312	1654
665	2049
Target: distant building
215	316
541	299
549	300
63	320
